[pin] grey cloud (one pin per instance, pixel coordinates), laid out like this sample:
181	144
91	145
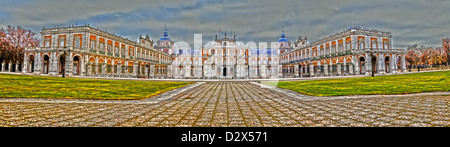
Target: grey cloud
410	21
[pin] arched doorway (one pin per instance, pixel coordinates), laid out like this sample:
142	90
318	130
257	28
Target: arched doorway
387	65
374	64
61	65
399	63
76	65
224	71
362	65
45	64
30	65
300	70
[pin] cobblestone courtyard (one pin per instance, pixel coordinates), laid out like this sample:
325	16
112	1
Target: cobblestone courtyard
235	104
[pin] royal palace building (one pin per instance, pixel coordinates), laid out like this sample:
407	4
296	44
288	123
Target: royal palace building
88	51
225	58
355	51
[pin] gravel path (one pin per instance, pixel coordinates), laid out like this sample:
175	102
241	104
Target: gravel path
232	104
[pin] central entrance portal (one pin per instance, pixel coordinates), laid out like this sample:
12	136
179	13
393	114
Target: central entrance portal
224	71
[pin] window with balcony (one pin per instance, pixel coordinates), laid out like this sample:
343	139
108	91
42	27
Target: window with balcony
62	41
93	44
102	46
385	44
47	42
361	44
77	42
374	44
347	45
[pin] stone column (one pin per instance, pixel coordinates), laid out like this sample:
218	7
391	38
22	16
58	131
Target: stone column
296	70
96	65
25	65
146	71
338	69
83	64
318	67
53	66
392	66
368	63
355	62
403	64
311	69
89	69
330	67
381	65
135	66
37	63
325	68
10	66
345	66
395	68
350	68
103	69
3	66
69	64
119	68
17	67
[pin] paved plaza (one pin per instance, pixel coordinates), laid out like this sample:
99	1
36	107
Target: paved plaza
232	104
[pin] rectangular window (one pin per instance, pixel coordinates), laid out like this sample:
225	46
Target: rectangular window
93	44
77	42
374	44
361	44
47	43
62	42
347	45
386	45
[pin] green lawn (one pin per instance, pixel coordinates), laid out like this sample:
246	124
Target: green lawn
379	85
23	86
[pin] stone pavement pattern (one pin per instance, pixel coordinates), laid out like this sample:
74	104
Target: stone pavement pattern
234	104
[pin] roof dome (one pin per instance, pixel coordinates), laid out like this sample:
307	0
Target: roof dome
165	37
283	38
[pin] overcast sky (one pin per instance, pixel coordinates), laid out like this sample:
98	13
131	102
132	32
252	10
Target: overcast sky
422	22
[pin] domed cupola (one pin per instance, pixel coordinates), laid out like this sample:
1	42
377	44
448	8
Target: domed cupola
166	36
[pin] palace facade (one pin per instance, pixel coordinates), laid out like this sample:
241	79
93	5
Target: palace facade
355	51
224	58
88	51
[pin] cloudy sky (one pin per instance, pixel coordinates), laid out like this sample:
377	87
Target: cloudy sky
422	22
